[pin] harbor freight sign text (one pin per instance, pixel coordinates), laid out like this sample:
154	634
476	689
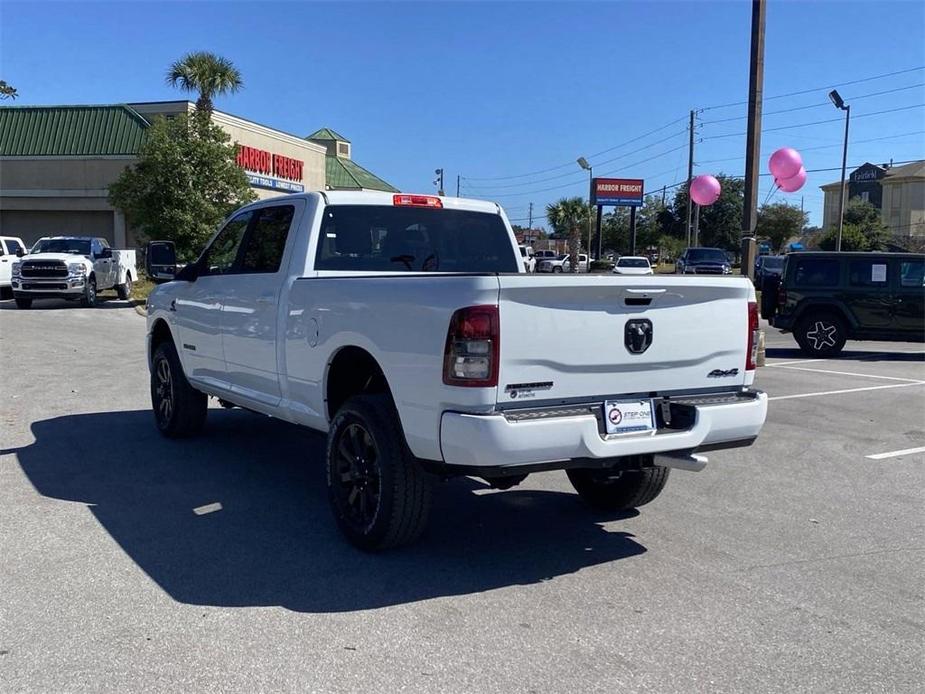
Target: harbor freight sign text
262	162
617	191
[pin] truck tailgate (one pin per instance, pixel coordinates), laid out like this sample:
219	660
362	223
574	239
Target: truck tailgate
565	338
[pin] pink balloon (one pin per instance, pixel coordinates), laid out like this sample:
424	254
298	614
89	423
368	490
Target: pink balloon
785	163
794	183
705	190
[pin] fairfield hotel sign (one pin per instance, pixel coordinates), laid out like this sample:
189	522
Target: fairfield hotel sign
268	170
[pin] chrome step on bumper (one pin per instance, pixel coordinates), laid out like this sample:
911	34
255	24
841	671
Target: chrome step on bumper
691	462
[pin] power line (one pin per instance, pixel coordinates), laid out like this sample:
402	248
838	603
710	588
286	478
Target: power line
568	185
810	149
572	163
818	105
577	173
819	122
815	89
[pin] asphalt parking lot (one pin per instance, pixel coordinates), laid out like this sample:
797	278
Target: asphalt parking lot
132	563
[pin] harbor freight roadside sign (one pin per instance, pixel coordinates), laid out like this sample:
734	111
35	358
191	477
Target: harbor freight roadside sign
617	191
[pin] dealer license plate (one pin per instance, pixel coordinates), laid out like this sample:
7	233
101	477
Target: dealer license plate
629	416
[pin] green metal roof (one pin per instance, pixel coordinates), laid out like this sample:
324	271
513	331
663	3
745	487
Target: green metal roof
326	134
344	174
70	130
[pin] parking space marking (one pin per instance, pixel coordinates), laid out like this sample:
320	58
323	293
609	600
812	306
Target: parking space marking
896	454
851	373
847	390
208	508
798	361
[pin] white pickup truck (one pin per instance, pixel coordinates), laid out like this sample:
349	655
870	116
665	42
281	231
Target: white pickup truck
75	268
405	327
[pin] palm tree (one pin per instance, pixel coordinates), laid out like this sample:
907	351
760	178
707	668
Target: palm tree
206	73
567	217
7	91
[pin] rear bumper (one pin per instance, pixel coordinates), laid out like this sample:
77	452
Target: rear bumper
496	440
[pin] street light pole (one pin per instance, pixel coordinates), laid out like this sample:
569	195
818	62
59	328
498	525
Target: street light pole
839	103
583	163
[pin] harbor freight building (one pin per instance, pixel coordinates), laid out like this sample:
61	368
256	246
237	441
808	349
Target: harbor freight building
57	162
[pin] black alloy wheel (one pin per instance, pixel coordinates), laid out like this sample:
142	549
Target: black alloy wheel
821	334
162	392
179	409
356	478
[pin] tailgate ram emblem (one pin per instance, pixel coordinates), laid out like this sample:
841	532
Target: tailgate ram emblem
637	335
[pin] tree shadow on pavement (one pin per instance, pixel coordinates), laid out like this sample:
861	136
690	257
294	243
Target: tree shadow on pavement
849	355
64	305
273	542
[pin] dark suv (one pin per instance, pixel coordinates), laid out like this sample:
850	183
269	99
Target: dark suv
827	298
704	261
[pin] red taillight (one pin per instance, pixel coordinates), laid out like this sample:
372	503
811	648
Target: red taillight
751	354
417	201
472	347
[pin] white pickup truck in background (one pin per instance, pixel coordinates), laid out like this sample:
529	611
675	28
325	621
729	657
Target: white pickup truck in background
75	268
405	327
11	247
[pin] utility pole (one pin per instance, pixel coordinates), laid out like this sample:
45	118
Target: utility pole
439	181
690	177
753	136
457	185
663	196
696	225
530	217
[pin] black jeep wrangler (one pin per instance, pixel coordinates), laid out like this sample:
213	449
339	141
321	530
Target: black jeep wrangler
827	298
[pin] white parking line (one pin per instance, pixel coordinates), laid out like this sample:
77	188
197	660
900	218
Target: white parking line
208	508
851	373
798	361
847	390
896	454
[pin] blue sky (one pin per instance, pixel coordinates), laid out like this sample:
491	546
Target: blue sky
491	90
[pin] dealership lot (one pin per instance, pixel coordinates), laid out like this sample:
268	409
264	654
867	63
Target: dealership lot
136	563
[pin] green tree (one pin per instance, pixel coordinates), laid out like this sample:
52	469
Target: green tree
852	239
615	230
184	184
779	222
863	229
721	222
206	73
568	217
7	91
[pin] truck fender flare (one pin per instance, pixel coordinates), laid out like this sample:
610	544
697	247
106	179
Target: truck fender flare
831	305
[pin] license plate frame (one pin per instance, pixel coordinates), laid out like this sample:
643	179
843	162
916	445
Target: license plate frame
629	416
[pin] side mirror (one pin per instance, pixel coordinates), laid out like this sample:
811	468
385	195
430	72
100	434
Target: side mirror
20	252
105	253
161	261
188	273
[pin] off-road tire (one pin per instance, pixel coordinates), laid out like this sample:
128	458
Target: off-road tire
23	303
186	413
88	300
821	334
557	268
401	495
125	290
618	491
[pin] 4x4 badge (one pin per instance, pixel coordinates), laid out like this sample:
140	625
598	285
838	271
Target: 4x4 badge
637	336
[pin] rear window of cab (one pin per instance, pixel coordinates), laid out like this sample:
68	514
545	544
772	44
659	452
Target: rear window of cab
374	238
